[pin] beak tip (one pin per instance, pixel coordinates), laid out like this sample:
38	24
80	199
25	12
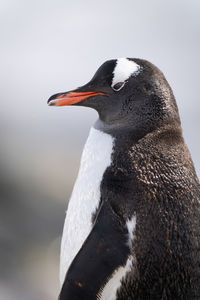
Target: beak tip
51	102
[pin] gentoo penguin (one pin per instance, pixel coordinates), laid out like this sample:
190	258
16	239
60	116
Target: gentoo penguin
132	229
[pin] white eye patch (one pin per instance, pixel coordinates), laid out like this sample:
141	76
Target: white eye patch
123	70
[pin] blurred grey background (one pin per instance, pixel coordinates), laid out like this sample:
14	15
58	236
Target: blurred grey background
54	46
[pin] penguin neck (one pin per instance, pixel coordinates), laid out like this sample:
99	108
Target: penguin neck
131	135
119	132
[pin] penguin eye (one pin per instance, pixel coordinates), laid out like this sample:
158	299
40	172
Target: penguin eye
118	86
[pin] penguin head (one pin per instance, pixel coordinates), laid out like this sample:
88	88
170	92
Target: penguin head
126	93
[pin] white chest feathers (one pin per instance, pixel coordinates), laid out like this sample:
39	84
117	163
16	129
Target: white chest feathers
85	197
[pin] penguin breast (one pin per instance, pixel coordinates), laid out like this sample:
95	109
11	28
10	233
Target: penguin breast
85	197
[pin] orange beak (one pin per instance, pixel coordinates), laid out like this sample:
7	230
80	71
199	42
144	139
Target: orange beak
71	98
